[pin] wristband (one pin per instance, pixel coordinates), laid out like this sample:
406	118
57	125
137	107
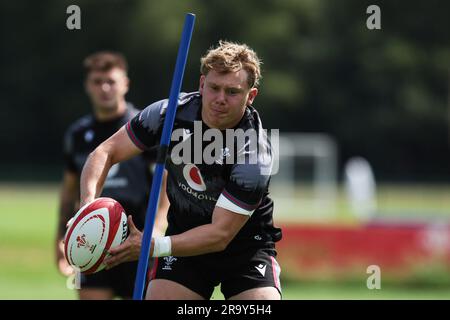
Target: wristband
162	247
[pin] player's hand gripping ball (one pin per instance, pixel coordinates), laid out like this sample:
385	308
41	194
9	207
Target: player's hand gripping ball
97	227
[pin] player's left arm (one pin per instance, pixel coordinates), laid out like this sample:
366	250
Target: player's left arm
239	199
207	238
213	237
163	207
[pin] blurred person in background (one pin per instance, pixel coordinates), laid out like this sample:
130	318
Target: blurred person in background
106	84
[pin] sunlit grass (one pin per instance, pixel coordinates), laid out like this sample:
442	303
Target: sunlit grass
28	224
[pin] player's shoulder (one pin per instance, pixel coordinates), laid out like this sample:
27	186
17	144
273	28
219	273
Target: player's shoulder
80	125
77	130
151	116
251	119
188	104
187	97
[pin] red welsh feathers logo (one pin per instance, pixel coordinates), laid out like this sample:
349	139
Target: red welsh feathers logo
82	242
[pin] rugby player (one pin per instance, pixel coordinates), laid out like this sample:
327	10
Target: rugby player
220	225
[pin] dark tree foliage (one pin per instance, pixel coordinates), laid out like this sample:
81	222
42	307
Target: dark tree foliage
382	94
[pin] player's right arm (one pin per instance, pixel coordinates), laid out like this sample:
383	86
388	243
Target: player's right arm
117	148
163	208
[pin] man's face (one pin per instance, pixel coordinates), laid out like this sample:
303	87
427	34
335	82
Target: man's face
106	88
224	98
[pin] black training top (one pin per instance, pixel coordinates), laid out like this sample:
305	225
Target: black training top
194	187
127	182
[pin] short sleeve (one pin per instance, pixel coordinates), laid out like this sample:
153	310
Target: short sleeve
144	129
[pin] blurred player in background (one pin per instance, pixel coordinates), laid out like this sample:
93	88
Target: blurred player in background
129	182
220	226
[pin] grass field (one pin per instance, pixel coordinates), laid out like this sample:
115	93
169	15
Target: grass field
27	269
394	201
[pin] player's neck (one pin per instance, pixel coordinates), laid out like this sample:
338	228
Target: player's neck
104	115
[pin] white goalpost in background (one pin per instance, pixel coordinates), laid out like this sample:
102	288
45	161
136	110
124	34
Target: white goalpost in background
306	185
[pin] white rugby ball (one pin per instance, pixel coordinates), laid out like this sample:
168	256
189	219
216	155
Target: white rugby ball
95	228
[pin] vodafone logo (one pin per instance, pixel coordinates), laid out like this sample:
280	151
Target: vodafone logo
193	177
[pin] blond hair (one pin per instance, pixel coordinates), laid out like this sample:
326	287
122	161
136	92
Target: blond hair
232	57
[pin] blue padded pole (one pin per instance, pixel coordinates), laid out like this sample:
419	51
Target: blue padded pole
162	154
